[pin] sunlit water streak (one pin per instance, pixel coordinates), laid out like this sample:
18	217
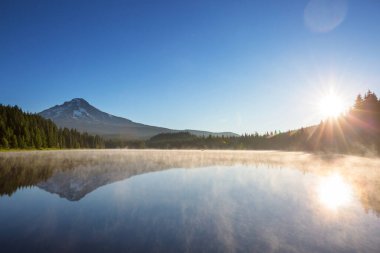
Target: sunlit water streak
334	192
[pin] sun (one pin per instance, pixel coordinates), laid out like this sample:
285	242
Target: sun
331	105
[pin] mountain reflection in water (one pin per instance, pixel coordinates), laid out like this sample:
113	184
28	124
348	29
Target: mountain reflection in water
194	201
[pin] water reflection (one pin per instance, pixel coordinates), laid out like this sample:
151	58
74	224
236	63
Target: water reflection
74	174
188	201
334	192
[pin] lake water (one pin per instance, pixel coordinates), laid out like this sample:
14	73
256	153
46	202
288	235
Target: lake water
188	201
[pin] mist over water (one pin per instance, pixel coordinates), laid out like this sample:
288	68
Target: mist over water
188	201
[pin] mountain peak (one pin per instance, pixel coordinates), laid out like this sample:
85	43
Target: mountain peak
79	110
78	100
81	115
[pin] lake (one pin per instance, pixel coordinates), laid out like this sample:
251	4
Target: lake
188	201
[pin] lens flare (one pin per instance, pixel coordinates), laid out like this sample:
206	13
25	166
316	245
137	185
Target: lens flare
325	15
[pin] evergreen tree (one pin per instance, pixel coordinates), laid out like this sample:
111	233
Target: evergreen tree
25	130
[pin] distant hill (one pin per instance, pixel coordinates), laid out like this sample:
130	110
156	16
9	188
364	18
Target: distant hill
84	117
355	132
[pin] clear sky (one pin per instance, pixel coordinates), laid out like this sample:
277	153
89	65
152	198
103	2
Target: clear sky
235	65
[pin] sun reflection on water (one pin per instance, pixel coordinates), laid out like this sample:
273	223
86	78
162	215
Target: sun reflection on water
334	192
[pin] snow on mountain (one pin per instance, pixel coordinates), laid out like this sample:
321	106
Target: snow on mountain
79	114
80	109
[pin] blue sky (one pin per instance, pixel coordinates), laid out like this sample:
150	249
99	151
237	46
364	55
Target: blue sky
239	66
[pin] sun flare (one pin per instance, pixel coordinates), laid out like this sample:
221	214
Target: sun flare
331	105
334	192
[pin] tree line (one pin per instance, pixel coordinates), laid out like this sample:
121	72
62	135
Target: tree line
20	130
357	131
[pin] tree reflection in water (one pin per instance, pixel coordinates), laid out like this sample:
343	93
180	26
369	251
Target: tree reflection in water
342	176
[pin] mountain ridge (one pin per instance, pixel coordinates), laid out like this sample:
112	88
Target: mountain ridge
81	115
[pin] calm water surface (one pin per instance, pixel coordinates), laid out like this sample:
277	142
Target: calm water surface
188	201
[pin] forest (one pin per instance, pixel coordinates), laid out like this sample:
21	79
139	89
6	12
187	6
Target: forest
20	130
356	132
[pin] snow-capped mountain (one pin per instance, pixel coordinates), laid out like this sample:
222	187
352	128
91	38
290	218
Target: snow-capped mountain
79	114
79	109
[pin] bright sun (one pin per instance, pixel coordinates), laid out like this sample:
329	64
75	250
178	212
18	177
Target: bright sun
331	105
